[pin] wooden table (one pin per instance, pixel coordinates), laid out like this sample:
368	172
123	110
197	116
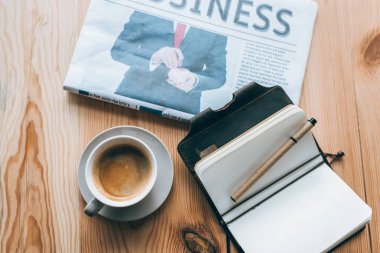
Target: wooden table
43	130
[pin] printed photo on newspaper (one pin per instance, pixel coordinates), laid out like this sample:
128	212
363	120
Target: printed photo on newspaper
178	57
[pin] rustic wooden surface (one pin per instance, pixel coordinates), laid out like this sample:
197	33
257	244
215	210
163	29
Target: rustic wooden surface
44	129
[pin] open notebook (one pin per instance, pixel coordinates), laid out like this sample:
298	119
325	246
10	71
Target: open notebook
299	205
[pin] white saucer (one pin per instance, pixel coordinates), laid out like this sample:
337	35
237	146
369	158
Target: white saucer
161	188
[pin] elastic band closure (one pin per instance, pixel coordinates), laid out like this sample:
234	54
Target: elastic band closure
270	196
334	157
269	185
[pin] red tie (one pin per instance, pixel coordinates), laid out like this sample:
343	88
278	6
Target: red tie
179	34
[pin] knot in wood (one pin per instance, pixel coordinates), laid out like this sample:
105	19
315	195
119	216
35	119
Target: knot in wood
372	51
196	243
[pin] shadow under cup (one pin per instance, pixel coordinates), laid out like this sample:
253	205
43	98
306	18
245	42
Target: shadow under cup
120	172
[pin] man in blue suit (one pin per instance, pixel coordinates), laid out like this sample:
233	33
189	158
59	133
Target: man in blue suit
170	64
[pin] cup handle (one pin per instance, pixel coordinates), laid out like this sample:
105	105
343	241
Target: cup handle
93	207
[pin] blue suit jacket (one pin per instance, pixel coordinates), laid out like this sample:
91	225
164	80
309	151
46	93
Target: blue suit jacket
204	55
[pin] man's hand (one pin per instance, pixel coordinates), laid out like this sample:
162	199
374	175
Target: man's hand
182	79
170	56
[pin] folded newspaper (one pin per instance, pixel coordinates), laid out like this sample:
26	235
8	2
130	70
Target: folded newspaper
179	57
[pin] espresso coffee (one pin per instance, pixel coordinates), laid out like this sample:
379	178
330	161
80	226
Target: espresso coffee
121	172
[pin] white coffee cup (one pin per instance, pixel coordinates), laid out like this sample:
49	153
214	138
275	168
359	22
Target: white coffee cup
100	200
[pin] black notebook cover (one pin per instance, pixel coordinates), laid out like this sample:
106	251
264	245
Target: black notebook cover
250	105
211	130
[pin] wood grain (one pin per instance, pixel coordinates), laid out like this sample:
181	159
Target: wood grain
365	54
44	129
329	96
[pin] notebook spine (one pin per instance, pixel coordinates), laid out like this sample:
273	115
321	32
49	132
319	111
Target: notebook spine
220	219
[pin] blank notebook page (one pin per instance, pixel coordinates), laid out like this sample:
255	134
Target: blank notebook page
224	170
312	215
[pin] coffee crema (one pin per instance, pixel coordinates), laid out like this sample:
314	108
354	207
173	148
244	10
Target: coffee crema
121	172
